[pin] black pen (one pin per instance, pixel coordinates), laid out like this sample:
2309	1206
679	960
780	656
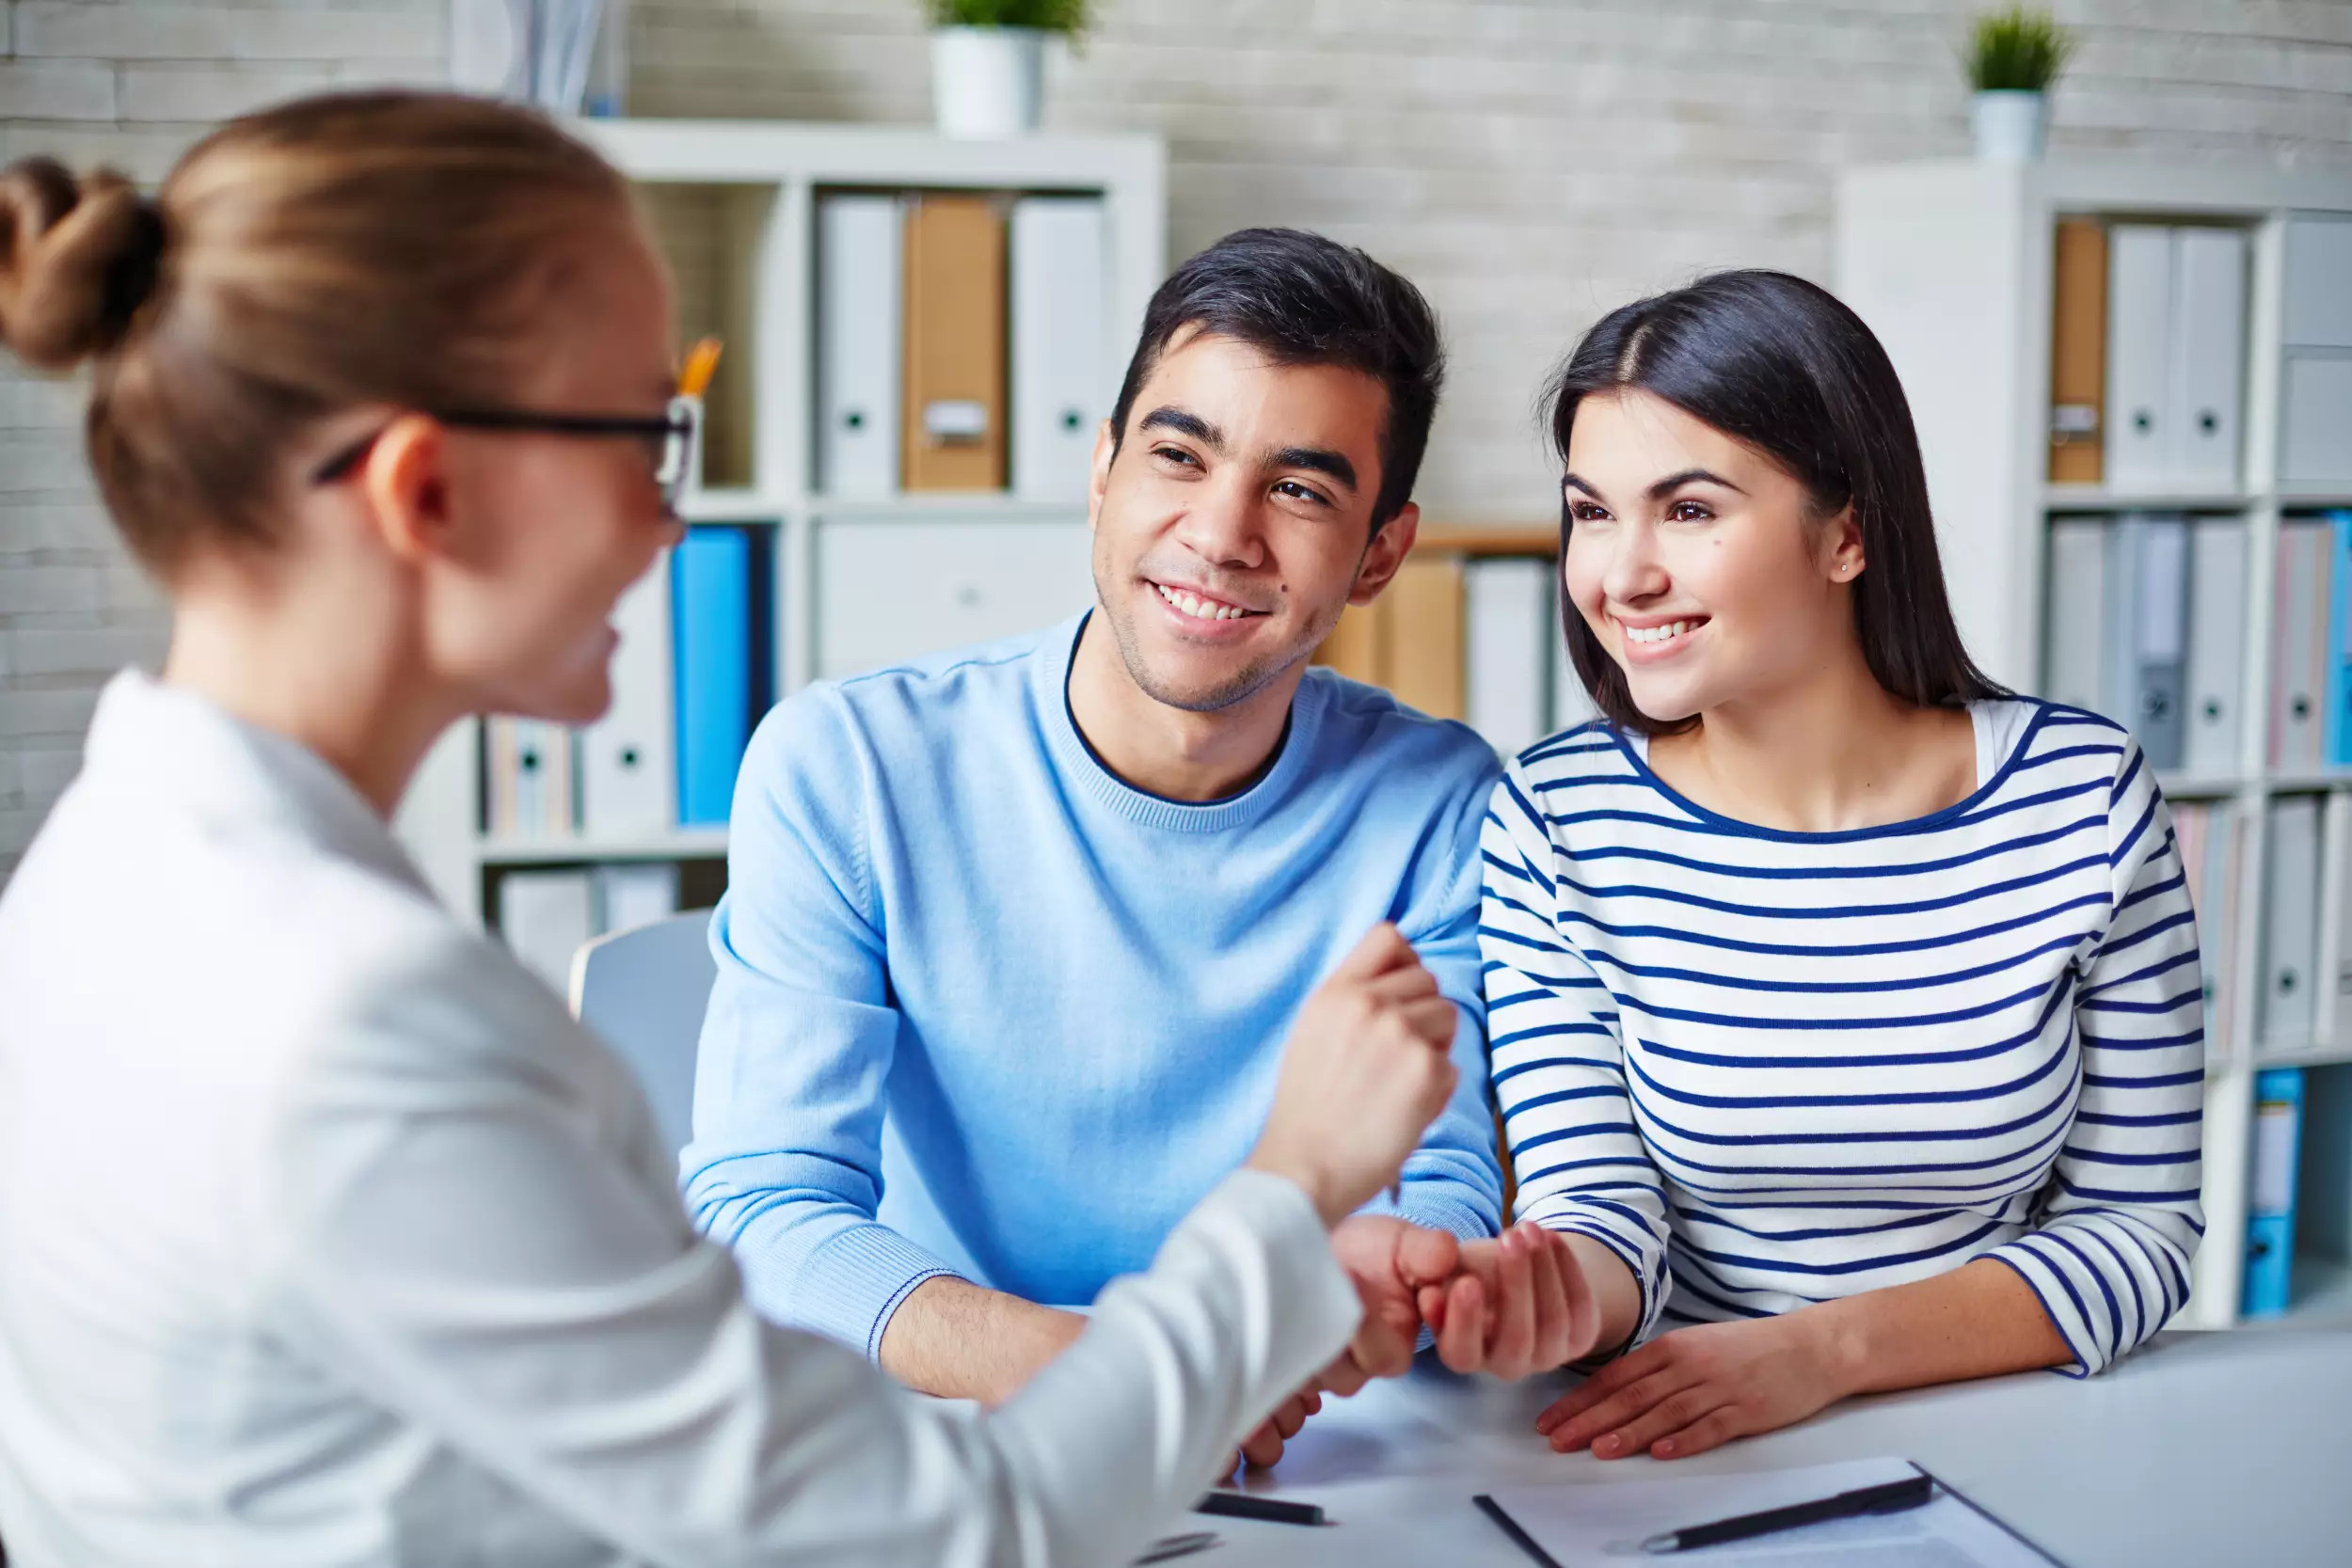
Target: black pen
1893	1497
1274	1511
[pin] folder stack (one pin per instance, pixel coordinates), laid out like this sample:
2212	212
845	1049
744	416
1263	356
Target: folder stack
720	604
2335	655
952	392
859	260
2270	1218
2145	618
2215	692
962	342
2078	356
2315	417
2291	969
531	781
2145	624
2211	840
628	759
1060	389
1508	610
2310	717
545	916
2148	357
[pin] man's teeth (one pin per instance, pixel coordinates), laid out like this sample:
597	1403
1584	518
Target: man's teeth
1201	609
1658	634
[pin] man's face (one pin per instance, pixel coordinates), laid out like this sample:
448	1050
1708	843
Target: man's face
1231	528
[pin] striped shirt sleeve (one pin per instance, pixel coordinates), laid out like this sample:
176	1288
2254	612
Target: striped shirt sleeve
2120	1218
1557	1060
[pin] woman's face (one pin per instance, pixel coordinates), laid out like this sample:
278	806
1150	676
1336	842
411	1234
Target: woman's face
1693	557
555	528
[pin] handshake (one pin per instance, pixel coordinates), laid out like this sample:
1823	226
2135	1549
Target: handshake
1368	1066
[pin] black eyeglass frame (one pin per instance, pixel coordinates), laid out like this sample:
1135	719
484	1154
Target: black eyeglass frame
675	429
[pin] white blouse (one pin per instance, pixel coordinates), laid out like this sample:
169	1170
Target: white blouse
327	1237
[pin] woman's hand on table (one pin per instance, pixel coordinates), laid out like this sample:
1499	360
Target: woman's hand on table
1696	1389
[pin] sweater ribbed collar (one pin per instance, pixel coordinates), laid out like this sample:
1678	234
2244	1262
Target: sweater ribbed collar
1049	691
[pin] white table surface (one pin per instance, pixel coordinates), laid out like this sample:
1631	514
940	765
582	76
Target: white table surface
2204	1448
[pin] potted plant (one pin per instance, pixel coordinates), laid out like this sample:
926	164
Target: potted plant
988	62
2012	58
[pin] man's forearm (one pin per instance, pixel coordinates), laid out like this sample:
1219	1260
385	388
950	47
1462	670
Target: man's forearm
960	1341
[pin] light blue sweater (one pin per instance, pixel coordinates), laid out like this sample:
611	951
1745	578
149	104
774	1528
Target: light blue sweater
984	1009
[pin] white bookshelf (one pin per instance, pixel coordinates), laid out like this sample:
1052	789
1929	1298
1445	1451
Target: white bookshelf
1951	265
733	205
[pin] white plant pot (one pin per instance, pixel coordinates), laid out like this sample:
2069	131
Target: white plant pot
987	82
2009	126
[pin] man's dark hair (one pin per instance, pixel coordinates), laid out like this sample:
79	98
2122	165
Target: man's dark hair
1301	299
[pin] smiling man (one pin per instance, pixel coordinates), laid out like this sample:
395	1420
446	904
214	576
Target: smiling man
1015	935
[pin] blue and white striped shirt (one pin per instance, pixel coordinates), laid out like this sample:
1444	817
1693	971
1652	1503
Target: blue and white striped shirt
1769	1068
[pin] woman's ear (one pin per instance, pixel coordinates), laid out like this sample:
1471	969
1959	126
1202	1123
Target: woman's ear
406	485
1842	535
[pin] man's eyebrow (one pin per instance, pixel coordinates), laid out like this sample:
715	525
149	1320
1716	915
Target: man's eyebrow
1182	423
1318	459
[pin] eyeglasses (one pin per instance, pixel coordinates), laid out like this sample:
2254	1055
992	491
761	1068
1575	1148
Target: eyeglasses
669	438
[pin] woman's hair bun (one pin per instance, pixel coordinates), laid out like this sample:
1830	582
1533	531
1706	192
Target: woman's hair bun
77	259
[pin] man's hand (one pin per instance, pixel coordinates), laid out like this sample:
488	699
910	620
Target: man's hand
1689	1391
1523	1302
1391	1260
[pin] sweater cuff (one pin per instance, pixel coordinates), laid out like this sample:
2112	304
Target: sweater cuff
1431	1206
852	1284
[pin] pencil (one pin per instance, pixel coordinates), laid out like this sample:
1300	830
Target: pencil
702	360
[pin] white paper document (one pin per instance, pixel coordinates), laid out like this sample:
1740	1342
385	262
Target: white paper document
1605	1522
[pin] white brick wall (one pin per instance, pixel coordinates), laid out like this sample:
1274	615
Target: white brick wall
1531	163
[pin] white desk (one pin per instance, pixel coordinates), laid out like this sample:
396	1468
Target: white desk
2212	1451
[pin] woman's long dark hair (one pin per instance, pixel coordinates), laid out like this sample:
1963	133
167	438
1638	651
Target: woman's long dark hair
1783	365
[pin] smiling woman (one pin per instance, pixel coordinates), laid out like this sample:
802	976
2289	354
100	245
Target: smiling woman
1846	1008
1801	402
